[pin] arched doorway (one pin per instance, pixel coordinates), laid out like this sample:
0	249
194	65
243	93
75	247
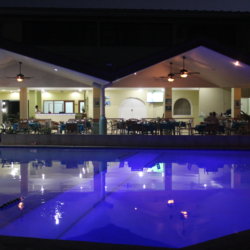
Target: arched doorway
132	108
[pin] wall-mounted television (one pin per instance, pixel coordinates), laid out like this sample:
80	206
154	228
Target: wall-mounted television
155	96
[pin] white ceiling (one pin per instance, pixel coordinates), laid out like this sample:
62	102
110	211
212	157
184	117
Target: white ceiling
43	74
216	70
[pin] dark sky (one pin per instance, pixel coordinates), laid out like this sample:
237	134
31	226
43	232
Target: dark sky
217	5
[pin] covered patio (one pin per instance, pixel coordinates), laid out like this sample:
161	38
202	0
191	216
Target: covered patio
218	82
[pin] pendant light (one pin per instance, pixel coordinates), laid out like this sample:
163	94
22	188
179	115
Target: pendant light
183	72
171	74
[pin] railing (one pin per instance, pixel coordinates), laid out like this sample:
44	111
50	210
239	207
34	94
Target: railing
116	126
154	126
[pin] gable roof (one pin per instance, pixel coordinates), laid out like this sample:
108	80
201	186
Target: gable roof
216	66
46	69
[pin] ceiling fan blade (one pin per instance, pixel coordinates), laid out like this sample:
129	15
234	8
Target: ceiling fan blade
189	73
162	78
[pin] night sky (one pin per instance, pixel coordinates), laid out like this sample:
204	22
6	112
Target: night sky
217	5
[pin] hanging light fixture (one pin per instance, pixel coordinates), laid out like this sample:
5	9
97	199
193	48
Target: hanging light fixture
183	72
20	76
171	75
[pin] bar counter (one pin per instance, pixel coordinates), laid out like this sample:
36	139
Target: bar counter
56	117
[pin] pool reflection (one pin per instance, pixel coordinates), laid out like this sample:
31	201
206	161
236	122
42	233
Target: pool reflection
37	170
145	194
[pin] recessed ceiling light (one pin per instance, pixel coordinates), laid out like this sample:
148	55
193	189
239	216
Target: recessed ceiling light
55	69
236	63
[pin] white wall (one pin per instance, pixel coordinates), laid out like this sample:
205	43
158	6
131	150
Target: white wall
193	97
245	105
204	100
118	95
214	99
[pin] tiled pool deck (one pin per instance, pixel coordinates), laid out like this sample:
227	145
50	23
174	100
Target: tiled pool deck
141	141
239	241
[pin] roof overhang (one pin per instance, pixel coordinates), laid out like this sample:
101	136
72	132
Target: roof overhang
42	73
215	70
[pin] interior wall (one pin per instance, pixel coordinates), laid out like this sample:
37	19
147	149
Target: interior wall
193	97
63	95
117	96
202	102
214	99
9	96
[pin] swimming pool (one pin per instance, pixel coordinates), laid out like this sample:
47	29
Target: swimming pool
160	198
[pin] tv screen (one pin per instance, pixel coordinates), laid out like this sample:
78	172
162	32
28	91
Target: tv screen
155	96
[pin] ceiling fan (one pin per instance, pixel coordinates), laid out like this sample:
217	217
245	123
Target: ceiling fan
184	73
171	75
20	77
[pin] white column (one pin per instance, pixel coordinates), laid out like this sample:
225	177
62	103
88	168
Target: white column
103	120
1	112
235	102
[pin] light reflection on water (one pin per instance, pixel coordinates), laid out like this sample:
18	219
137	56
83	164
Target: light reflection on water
171	198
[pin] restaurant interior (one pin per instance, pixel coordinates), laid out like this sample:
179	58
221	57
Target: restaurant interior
173	95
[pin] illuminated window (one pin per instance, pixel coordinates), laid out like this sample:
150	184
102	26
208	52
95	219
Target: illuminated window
57	107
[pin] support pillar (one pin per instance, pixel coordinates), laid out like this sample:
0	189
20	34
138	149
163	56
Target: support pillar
103	120
96	109
168	103
99	119
96	102
1	112
236	102
23	103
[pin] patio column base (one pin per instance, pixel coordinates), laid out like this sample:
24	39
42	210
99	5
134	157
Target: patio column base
102	125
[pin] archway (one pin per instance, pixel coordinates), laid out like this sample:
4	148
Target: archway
182	107
132	108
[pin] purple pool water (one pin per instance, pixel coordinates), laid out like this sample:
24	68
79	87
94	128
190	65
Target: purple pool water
161	198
